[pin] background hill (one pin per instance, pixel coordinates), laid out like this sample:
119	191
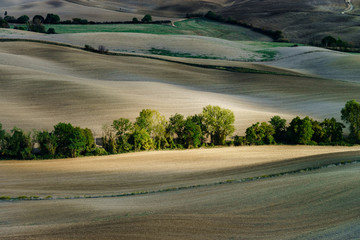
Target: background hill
301	21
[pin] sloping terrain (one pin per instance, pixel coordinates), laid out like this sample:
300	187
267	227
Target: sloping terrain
44	84
301	21
66	10
318	204
320	62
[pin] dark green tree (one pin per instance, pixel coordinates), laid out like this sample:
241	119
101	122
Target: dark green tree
51	31
71	140
23	19
279	125
4	23
89	140
39	18
2	141
18	145
10	19
300	131
333	130
219	123
175	129
260	134
191	134
351	115
47	141
147	18
135	20
329	41
319	133
36	26
52	19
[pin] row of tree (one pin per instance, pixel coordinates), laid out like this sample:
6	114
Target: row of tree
306	130
277	35
64	141
151	130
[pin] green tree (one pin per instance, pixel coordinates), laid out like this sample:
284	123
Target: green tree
23	19
4	23
147	18
279	125
124	128
89	140
191	134
52	19
135	20
300	131
333	130
47	141
155	124
142	139
51	31
36	26
175	128
351	115
71	140
2	141
219	123
39	18
319	133
260	134
328	41
10	19
18	145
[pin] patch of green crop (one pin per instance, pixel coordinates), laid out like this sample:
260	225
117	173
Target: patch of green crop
165	52
267	55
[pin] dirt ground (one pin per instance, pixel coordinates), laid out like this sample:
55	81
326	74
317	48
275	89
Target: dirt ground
309	205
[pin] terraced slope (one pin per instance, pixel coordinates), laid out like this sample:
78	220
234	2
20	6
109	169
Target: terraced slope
314	204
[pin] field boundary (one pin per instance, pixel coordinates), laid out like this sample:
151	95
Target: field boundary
229	181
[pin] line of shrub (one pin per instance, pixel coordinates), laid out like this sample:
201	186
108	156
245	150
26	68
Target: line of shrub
276	35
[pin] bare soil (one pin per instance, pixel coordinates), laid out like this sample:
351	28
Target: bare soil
305	205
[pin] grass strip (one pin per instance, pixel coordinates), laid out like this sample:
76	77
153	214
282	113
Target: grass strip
173	189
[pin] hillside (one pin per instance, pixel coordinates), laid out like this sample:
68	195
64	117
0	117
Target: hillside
315	204
301	21
46	84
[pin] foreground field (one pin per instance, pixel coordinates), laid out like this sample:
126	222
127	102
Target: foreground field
320	204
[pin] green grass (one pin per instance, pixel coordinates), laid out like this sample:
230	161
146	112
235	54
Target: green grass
165	52
200	27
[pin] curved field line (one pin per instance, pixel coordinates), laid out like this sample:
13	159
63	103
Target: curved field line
230	181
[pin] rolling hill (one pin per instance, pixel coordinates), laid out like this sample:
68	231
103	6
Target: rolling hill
318	204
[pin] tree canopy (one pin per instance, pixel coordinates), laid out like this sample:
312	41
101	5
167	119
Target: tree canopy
351	115
219	123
